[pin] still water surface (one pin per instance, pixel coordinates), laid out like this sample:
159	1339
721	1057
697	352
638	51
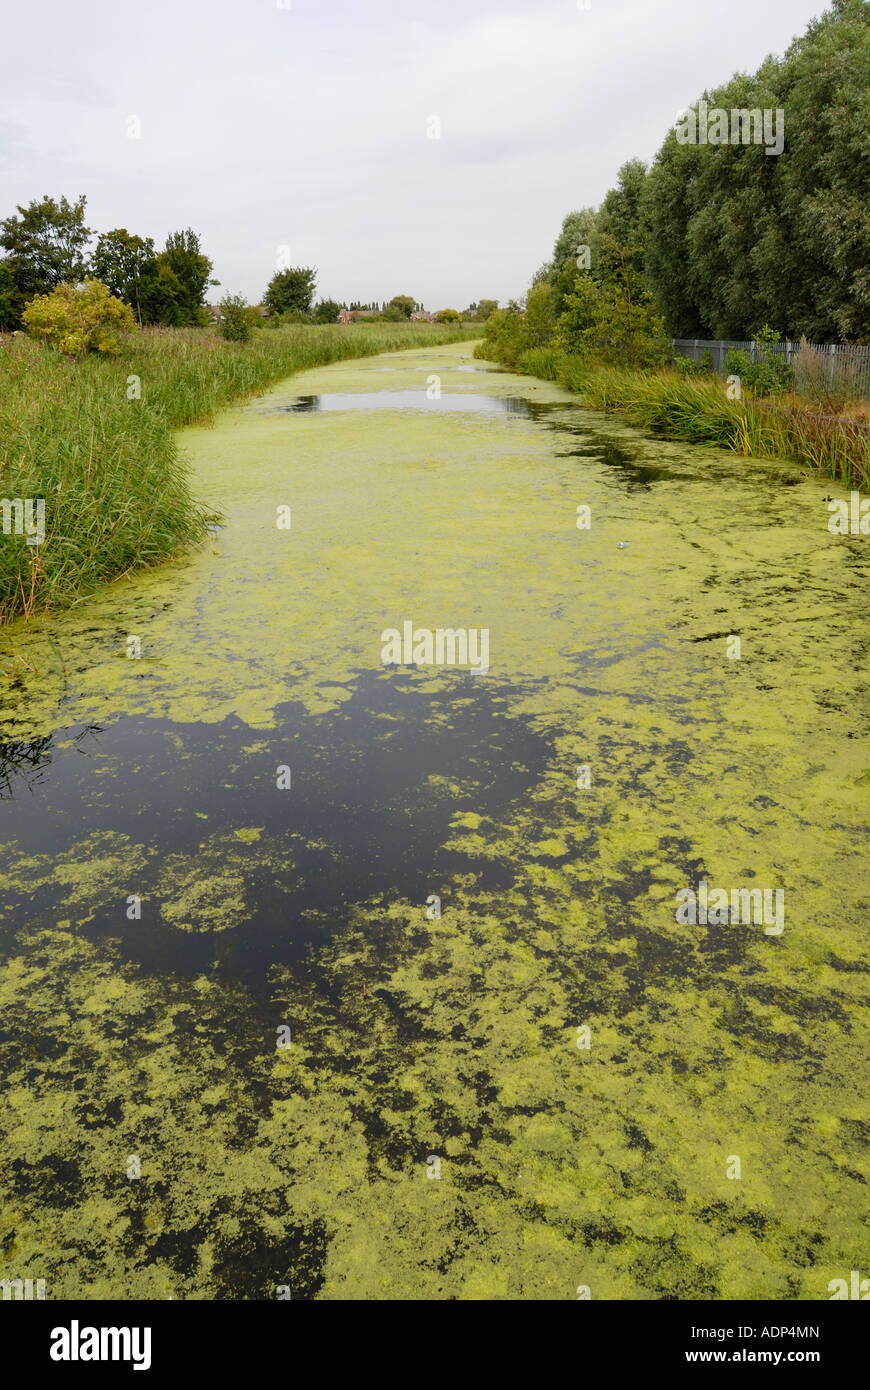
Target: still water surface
446	1045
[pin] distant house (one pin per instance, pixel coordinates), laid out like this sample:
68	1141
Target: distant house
422	316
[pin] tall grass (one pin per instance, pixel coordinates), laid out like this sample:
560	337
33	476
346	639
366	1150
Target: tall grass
116	488
830	385
698	410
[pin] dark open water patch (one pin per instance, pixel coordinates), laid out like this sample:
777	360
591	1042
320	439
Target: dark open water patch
628	465
408	400
374	787
631	470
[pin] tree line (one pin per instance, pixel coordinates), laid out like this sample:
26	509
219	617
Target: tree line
716	239
46	247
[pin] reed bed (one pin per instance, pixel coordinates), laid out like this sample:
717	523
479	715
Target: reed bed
698	410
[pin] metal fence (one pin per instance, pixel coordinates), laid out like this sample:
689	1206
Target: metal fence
832	366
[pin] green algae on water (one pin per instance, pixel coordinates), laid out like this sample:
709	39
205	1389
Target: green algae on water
453	1038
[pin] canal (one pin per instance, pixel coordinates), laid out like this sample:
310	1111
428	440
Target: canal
330	978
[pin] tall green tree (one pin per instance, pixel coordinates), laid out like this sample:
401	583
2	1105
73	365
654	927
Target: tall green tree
824	184
670	206
291	289
8	298
121	261
404	303
162	295
622	214
621	238
191	268
45	246
579	230
736	237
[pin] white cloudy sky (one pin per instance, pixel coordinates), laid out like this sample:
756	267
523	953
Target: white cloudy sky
306	126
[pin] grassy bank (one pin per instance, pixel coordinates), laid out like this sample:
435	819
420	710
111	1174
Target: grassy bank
697	409
104	458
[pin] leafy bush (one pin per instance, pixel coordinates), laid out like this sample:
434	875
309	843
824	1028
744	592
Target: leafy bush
687	366
79	319
235	325
504	337
327	311
448	316
607	324
539	321
404	303
770	374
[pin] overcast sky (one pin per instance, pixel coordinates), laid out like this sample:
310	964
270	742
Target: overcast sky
308	125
